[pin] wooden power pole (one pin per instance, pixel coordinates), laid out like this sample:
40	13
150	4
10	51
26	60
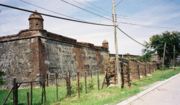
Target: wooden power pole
114	20
164	54
174	57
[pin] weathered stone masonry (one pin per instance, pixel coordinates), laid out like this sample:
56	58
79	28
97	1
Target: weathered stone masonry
36	51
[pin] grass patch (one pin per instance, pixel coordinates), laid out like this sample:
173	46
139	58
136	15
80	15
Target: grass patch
108	96
113	95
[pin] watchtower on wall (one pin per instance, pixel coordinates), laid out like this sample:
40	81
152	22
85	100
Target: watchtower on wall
35	21
34	53
105	44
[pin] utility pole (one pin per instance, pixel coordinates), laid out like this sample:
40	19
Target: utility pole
174	56
164	54
114	20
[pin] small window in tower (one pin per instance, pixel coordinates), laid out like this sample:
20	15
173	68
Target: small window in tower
37	24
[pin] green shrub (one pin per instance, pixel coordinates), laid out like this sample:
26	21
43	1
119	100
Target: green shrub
90	85
74	88
81	86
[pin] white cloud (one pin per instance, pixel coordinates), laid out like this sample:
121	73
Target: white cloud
4	1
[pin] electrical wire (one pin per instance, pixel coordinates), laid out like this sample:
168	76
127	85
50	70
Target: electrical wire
86	10
93	8
148	26
128	23
134	24
130	37
102	9
46	9
79	21
119	2
53	16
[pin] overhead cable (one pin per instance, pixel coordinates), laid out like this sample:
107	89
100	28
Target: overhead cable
97	7
29	3
86	10
53	16
147	26
94	6
119	2
130	37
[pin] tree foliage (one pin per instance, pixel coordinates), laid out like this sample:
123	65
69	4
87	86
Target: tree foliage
147	53
171	39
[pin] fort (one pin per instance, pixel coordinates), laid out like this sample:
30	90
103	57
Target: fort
35	51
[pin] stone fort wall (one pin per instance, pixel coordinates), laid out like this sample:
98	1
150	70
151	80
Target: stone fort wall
62	57
30	53
18	59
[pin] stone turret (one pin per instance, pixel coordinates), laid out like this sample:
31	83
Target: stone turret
105	44
35	21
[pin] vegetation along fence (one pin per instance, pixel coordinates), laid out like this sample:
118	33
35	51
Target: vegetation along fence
52	88
55	87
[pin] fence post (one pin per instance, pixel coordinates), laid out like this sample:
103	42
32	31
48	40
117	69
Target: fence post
78	84
98	80
31	93
57	87
128	75
68	83
28	101
104	80
44	86
43	99
122	75
15	92
42	94
138	71
91	74
145	70
47	79
149	68
85	81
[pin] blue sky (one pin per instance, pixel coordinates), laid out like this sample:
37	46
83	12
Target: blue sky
164	13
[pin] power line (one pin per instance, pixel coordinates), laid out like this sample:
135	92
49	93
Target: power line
45	9
53	16
148	26
127	17
141	25
94	6
119	2
130	37
86	10
102	9
128	23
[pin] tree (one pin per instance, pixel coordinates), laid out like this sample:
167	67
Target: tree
147	53
171	39
146	57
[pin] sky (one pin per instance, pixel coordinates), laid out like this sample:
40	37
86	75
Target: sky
157	15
